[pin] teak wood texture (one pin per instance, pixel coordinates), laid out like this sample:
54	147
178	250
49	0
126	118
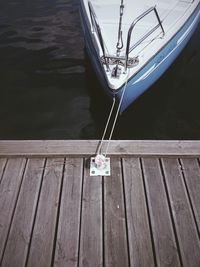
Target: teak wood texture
53	214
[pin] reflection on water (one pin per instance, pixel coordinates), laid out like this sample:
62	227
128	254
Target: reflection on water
48	89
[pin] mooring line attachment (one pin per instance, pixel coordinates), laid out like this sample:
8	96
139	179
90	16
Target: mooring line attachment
100	164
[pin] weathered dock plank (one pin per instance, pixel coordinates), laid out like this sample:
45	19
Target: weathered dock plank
189	242
20	232
191	171
166	250
67	242
146	213
91	235
42	239
2	167
139	235
89	147
115	234
9	190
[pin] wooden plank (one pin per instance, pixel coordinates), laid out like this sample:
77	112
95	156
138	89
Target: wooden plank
2	167
140	245
9	189
115	235
192	176
185	226
166	250
69	222
88	147
91	253
42	242
18	240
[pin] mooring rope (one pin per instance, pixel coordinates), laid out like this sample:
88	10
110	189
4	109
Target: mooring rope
119	46
106	127
99	148
117	113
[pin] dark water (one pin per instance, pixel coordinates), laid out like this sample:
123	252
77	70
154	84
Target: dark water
48	89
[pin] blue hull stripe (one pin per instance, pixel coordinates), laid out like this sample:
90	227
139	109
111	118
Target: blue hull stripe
159	63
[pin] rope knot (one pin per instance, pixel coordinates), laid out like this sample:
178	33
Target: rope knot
100	161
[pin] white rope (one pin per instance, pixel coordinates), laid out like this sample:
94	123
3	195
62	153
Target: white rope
106	127
117	113
109	118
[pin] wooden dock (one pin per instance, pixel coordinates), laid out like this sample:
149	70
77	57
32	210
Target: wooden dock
53	214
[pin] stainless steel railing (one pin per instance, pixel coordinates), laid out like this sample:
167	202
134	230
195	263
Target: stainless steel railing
128	48
97	29
95	25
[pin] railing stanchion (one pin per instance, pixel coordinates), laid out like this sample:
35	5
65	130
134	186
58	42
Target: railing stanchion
145	36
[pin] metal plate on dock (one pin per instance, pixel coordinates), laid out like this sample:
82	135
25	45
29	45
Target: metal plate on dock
102	170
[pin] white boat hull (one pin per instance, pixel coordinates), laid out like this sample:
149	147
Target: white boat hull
144	75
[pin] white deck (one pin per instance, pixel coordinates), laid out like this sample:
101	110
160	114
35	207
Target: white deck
173	14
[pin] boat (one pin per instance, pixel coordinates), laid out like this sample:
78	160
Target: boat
132	43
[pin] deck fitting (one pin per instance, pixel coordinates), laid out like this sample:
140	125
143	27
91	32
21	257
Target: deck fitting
100	166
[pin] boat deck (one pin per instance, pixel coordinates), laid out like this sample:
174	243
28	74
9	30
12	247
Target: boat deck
171	13
52	213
